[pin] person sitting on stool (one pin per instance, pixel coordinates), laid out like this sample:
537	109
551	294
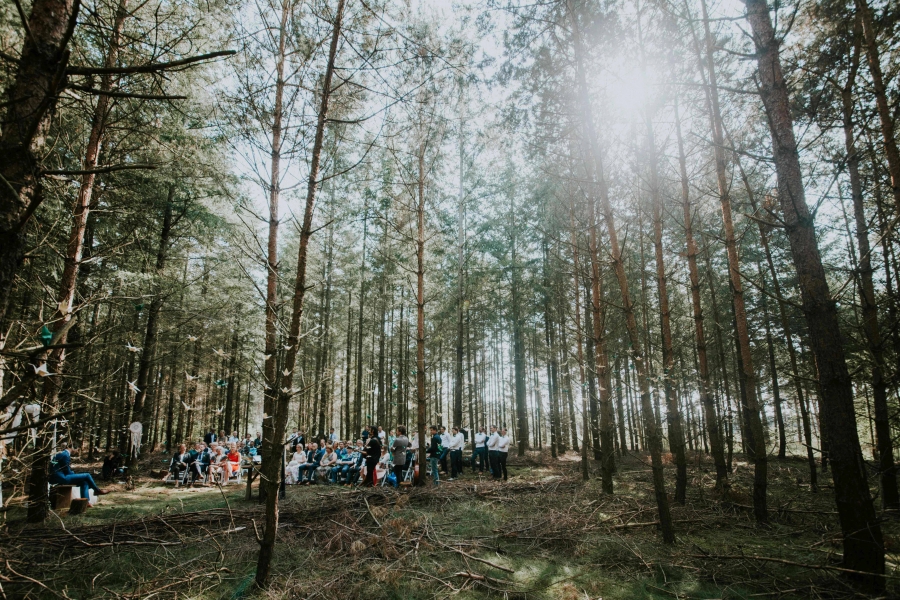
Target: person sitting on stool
61	473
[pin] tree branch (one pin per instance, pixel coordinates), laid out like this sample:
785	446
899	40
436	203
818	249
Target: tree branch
100	170
149	68
40	422
112	94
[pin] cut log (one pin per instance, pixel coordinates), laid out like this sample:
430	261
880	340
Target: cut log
61	497
78	506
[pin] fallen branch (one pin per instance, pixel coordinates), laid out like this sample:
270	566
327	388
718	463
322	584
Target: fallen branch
481	560
648	524
480	578
790	563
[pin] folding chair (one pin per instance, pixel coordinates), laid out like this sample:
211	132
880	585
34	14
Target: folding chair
410	469
389	468
173	478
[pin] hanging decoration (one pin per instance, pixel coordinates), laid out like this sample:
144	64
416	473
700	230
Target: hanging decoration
136	430
42	370
46	336
221	382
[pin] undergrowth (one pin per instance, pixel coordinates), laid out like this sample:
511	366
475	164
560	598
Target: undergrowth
543	535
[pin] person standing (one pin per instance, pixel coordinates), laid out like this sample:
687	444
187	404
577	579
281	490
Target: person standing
493	444
398	450
434	452
210	437
480	451
503	447
457	441
373	454
445	444
357	462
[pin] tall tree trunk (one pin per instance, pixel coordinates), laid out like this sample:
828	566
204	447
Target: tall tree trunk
347	432
75	245
326	377
556	445
863	544
458	382
576	270
149	349
232	384
891	152
518	341
653	434
673	412
277	401
358	407
890	498
773	371
706	397
30	100
420	311
755	440
764	233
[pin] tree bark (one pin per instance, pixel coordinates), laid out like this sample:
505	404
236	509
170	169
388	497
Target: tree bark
764	232
518	341
890	497
576	270
863	543
277	401
706	397
30	101
420	312
650	424
149	347
891	152
755	440
673	411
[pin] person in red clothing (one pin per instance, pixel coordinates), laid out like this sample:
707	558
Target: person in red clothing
234	460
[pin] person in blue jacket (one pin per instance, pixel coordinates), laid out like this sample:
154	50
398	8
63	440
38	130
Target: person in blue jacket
61	473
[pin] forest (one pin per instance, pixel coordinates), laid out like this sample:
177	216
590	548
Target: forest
654	241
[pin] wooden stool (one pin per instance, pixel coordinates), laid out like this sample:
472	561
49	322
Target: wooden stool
61	496
78	506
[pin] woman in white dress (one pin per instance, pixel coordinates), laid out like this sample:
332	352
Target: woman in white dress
292	470
384	464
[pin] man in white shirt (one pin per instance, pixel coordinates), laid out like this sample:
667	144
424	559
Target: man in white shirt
457	442
445	442
480	451
493	444
503	447
333	437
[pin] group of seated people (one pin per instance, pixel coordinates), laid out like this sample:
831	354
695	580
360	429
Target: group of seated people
367	461
218	462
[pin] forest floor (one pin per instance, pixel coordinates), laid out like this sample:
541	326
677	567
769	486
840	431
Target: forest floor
542	534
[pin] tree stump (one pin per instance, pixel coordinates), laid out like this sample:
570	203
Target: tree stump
78	506
61	497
